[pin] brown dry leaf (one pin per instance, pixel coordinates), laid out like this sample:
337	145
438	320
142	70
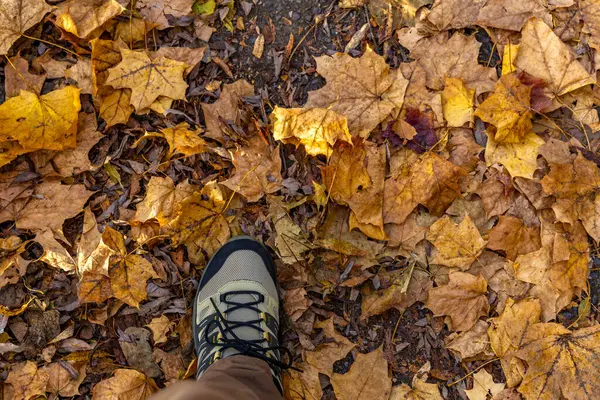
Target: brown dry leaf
572	180
94	288
148	78
513	237
55	254
508	110
61	381
82	74
156	11
331	350
182	139
171	364
430	181
555	63
16	17
512	14
27	380
160	328
257	170
364	89
199	223
457	102
458	245
126	384
463	299
420	391
456	57
396	13
352	3
17	77
225	109
520	158
318	129
190	57
295	303
133	30
367	378
484	386
303	385
89	241
81	18
405	235
590	12
454	14
162	197
54	68
507	332
41	122
561	362
128	278
12	266
497	193
473	343
290	242
51	204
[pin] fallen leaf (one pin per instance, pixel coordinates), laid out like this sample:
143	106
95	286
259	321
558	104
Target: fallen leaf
125	385
365	99
463	299
507	332
225	109
555	63
473	343
303	385
457	102
483	386
61	381
454	14
367	378
420	391
147	78
405	235
572	180
16	17
318	129
331	350
513	237
12	266
81	18
81	73
497	193
508	110
520	159
55	254
17	77
352	3
431	181
160	328
156	11
511	15
171	364
509	56
27	380
135	345
94	288
162	197
41	122
257	170
290	241
590	12
396	13
182	139
259	46
560	362
458	245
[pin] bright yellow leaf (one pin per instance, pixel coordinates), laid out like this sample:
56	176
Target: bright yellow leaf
520	159
457	102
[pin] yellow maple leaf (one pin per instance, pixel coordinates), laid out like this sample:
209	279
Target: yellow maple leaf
457	102
508	110
147	78
81	18
94	288
483	386
16	17
458	245
162	198
520	158
182	139
367	378
160	328
318	129
509	55
561	362
364	89
125	384
41	122
420	391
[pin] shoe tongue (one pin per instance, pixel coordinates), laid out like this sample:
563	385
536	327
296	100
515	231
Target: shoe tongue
242	314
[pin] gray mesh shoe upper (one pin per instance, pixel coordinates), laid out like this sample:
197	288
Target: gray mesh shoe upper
236	310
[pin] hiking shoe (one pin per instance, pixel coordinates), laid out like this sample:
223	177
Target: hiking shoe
236	310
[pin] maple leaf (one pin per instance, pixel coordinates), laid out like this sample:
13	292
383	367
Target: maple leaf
17	77
27	380
147	78
454	58
367	378
430	181
225	108
199	223
94	288
403	12
128	278
162	197
190	57
326	354
405	235
561	363
457	102
555	63
420	391
81	73
125	385
590	13
41	122
473	343
81	18
511	14
463	299
318	129
156	11
508	110
61	381
55	254
572	180
520	158
458	245
363	89
303	385
291	242
16	17
514	237
497	193
483	386
507	332
257	170
454	14
12	266
182	139
160	328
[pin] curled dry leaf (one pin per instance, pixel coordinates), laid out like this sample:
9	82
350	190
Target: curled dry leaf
257	170
463	299
16	17
367	378
225	109
156	11
365	99
125	385
81	18
318	129
458	245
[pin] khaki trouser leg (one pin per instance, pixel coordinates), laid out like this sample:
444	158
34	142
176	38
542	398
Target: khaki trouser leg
232	378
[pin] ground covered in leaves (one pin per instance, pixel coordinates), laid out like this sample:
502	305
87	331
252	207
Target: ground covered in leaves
425	173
